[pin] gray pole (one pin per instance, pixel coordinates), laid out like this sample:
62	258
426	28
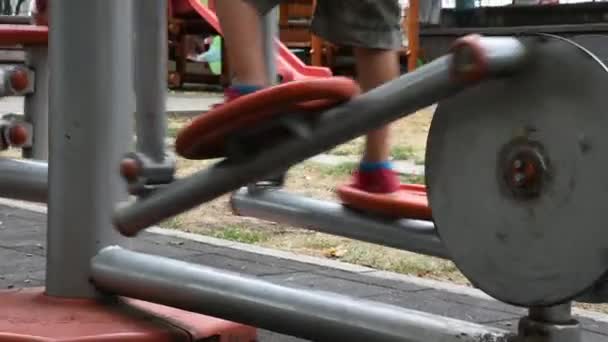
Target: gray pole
333	218
319	316
150	26
36	105
23	180
269	30
91	106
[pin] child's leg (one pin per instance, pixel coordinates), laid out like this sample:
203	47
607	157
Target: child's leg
376	67
373	28
240	23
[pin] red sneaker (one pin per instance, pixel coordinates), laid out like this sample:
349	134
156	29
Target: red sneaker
382	181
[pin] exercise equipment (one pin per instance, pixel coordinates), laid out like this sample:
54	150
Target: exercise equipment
409	201
532	173
89	265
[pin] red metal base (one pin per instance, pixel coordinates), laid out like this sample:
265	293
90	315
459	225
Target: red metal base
28	315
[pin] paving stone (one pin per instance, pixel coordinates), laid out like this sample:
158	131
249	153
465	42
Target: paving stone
250	267
149	247
482	303
330	284
388	284
429	301
189	245
19	262
268	260
22	279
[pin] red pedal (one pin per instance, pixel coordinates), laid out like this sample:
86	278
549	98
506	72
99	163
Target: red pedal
29	315
410	201
207	135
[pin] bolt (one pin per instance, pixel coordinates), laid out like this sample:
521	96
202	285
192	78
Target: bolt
519	178
517	164
19	79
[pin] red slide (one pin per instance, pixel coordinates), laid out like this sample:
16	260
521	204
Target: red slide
289	66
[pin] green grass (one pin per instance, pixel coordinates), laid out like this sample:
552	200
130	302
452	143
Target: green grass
412	179
351	148
172	131
339	170
403	153
173	223
243	235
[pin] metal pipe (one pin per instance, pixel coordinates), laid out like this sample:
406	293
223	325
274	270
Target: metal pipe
312	315
23	180
91	105
333	218
36	105
476	57
269	31
150	27
15	19
380	106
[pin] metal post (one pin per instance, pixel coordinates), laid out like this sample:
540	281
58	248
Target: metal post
150	26
23	180
91	104
550	324
333	218
269	31
36	105
303	313
15	19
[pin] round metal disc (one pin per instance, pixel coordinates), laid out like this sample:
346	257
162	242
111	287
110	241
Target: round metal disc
517	176
595	43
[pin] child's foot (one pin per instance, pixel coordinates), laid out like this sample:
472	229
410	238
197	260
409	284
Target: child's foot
376	177
234	92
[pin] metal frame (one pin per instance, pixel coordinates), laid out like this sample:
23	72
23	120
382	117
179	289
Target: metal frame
36	104
90	133
91	129
333	218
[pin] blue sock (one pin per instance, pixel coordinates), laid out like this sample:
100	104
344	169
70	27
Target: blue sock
245	89
374	166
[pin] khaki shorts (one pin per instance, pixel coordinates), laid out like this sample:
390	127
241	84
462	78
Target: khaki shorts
373	24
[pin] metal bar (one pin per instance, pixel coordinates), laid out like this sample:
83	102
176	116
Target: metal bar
36	105
91	105
150	26
380	106
333	218
269	31
15	19
312	315
23	180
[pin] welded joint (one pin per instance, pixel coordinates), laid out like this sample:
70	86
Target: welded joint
145	175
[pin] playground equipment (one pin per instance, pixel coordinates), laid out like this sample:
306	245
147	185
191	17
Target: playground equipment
535	172
289	66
